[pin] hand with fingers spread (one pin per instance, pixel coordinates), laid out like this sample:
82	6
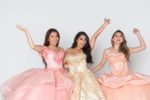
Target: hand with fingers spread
136	31
107	21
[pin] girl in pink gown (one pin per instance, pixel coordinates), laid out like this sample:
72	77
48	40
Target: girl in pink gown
121	83
50	83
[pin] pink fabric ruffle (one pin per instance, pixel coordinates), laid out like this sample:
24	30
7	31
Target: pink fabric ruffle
133	79
35	77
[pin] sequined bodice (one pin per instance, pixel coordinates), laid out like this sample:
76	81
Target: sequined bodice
76	63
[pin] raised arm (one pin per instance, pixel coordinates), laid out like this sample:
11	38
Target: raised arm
37	48
142	45
101	63
98	32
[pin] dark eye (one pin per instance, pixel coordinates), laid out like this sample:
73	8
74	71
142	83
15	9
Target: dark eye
81	39
56	36
52	36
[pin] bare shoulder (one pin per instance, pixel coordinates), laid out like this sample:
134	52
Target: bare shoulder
39	48
107	50
60	48
69	50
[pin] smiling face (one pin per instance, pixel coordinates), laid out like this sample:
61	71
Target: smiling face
81	41
117	38
53	38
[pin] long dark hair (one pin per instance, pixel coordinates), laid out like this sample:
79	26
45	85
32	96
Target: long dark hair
86	49
47	43
48	33
123	47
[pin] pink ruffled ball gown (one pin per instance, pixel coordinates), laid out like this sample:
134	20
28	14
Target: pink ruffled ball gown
41	84
121	83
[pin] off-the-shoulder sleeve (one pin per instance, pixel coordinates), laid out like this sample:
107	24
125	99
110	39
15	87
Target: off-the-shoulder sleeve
106	52
43	52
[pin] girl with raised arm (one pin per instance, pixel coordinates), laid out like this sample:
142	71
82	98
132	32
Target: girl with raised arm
86	86
49	83
121	83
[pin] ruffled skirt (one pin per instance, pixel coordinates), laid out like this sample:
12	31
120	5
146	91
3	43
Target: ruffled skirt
133	86
38	84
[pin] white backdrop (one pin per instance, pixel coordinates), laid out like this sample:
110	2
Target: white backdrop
69	17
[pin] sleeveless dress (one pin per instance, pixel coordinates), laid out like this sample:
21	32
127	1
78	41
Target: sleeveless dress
50	83
121	83
86	86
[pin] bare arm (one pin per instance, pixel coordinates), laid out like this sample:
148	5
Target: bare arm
101	63
37	48
98	32
66	64
142	45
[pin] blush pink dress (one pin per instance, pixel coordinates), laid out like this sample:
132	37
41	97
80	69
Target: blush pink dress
121	83
40	84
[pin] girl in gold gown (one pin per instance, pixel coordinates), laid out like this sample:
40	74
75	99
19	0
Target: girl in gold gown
77	57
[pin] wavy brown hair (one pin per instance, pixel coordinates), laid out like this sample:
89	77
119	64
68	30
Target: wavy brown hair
123	46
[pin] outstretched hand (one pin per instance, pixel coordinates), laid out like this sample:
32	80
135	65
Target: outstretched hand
107	21
136	31
21	28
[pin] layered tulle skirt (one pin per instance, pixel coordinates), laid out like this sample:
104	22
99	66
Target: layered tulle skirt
38	84
86	86
132	86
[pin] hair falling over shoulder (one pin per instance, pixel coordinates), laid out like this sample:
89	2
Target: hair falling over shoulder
123	47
